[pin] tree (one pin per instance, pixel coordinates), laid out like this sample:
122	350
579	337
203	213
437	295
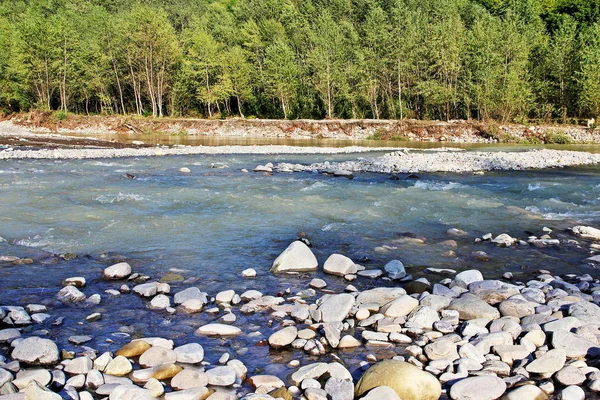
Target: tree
589	77
281	74
562	63
152	54
238	71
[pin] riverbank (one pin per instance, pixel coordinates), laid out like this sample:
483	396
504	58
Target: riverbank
459	131
462	337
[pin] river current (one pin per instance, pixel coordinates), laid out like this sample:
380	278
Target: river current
210	224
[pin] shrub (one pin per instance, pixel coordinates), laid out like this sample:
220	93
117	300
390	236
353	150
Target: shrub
557	137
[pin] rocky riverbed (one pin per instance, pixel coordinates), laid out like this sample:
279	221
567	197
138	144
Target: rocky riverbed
462	337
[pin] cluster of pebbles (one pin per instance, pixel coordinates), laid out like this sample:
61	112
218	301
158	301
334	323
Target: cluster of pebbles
461	338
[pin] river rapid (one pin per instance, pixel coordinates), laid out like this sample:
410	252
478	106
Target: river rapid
217	220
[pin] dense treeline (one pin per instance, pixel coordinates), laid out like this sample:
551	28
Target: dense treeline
429	59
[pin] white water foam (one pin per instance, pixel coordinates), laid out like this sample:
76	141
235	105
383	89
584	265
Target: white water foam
438	186
111	198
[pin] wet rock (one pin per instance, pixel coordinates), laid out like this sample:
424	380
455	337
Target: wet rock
478	387
348	341
36	351
408	381
310	371
249	273
465	278
77	281
160	302
191	353
9	334
339	265
504	240
587	232
190	294
70	294
146	289
218	330
117	271
317	283
284	337
395	269
297	257
266	381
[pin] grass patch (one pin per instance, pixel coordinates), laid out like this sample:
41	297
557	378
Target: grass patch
382	134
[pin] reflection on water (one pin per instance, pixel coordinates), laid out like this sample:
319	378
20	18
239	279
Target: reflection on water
198	140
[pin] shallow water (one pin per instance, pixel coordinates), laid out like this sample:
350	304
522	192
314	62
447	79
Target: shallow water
214	222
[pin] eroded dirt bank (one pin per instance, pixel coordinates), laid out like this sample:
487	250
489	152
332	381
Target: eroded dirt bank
413	130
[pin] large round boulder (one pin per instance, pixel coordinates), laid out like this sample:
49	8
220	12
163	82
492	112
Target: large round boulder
408	381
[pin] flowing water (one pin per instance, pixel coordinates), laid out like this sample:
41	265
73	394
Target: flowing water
214	222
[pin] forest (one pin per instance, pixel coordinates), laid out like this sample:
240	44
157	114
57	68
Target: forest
502	60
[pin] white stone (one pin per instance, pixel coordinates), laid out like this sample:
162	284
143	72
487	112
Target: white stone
117	271
297	257
339	265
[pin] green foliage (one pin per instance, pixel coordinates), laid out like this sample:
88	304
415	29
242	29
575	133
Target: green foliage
505	60
557	137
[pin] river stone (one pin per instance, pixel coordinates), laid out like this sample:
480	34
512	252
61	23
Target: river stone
117	271
525	392
572	393
441	349
156	356
408	381
166	371
160	302
37	392
197	393
310	371
188	379
472	307
516	308
395	269
588	313
191	353
296	258
79	365
465	278
317	283
348	341
9	334
379	296
133	349
130	392
478	388
336	307
70	294
400	307
267	381
569	375
119	366
218	330
225	296
189	294
146	289
340	389
283	337
548	363
587	232
574	345
221	376
26	376
36	351
339	265
424	317
381	393
504	240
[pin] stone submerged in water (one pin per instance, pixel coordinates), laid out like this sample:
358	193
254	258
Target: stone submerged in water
408	381
218	330
395	269
297	257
